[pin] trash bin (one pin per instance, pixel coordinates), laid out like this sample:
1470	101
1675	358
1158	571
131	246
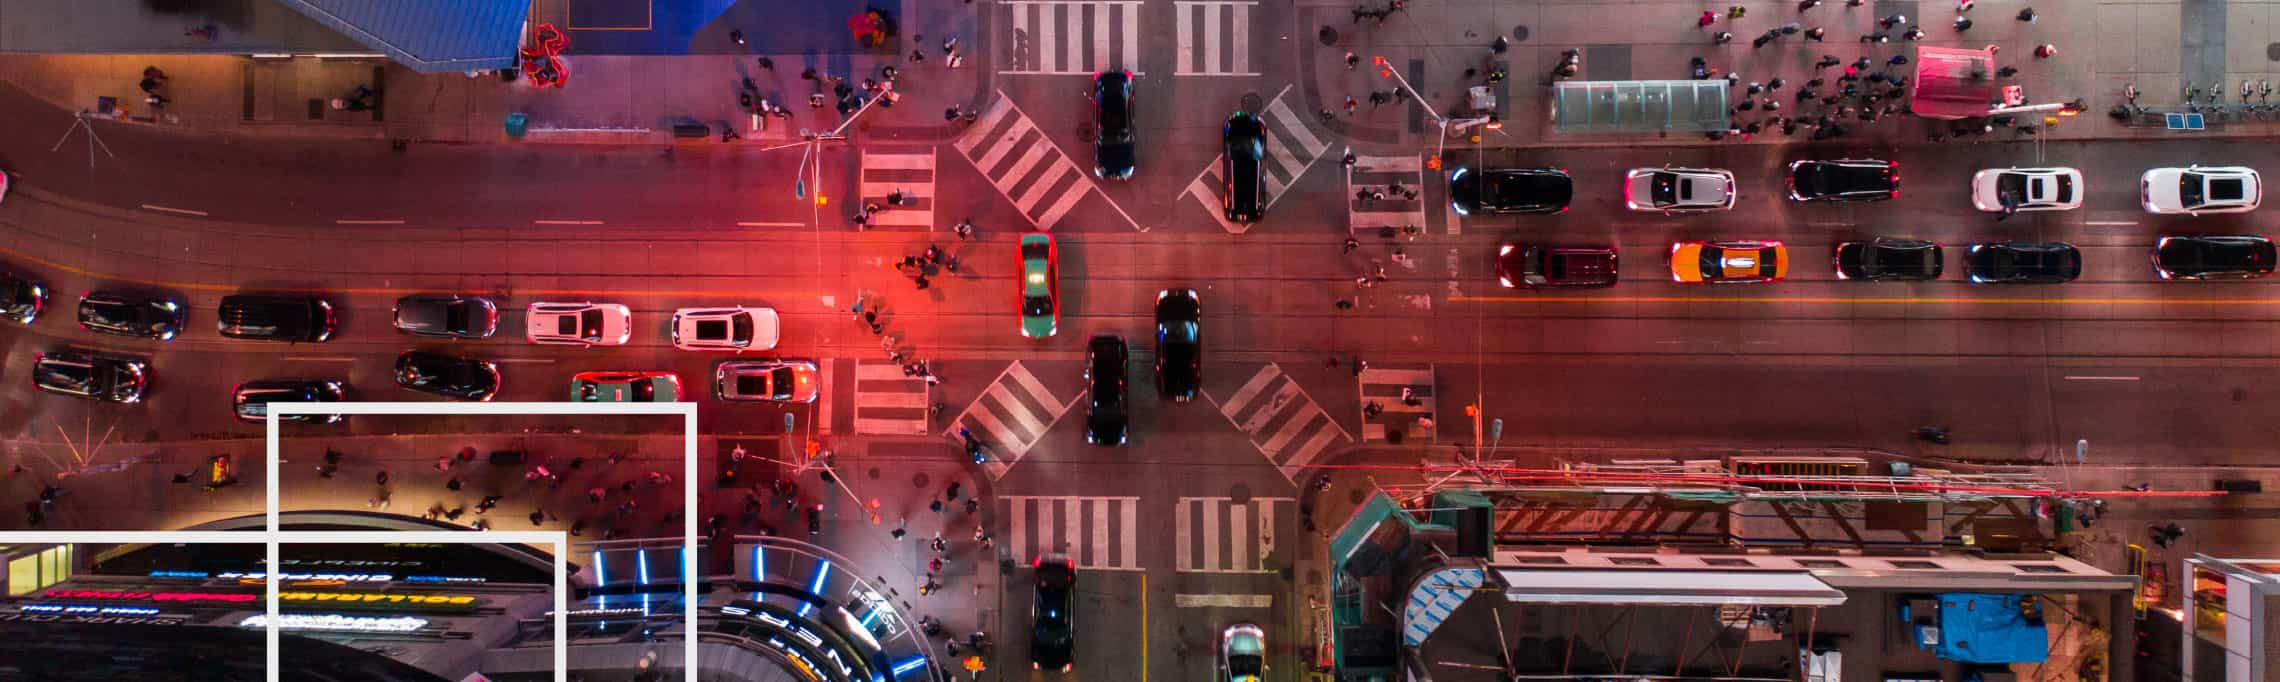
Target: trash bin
517	124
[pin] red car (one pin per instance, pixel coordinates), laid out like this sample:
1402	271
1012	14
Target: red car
1555	266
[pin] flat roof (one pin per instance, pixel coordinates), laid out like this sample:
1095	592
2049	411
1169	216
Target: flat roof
1620	586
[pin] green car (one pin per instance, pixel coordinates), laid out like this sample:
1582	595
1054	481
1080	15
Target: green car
1040	286
625	387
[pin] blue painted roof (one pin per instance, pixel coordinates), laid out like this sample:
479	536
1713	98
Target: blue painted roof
428	36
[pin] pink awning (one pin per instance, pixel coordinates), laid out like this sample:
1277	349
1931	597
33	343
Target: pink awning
1953	83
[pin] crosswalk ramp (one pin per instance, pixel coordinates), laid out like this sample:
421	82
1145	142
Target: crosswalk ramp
1023	164
1011	416
1213	37
1070	37
1386	175
1399	420
912	173
1293	146
887	402
1222	535
1282	421
1098	533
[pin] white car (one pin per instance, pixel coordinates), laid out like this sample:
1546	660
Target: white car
1242	653
730	329
1679	190
2030	189
2195	190
579	324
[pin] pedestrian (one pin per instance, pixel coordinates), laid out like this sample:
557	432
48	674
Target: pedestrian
1500	46
1351	244
1815	34
1962	5
922	283
1863	63
1754	88
1962	24
452	484
1345	304
538	518
1774	84
728	134
1827	60
2046	51
766	63
736	36
1791	28
1895	20
934	565
2007	72
381	478
1701	70
1914	33
1736	11
1897	60
1352	61
917	56
2027	15
1803	5
1764	38
1351	103
1349	159
1721	38
1379	98
972	504
1325	115
1708	18
1875	38
1380	275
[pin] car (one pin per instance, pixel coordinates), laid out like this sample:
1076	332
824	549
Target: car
250	400
269	317
3	185
1115	146
2028	189
2024	262
2213	257
2194	190
1179	344
1053	629
726	329
1555	266
447	316
776	381
21	298
1728	262
1889	259
92	376
625	387
1244	168
146	317
1679	190
1040	285
446	375
1844	180
1510	190
1242	653
578	324
1107	421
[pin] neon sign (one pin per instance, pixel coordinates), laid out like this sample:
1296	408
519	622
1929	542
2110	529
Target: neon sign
336	623
82	618
89	608
304	577
108	595
380	599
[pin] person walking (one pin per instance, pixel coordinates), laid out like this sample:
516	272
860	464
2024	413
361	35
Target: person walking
2027	15
1721	38
2046	51
1962	24
1815	34
1708	18
1764	38
1914	33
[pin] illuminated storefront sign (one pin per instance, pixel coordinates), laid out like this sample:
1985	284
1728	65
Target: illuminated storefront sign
79	618
337	623
451	602
256	578
89	608
108	595
806	636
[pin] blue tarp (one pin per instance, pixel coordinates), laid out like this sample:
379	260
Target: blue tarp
428	36
1991	628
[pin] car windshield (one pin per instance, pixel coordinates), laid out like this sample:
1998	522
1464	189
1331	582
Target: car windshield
455	316
2189	189
2012	185
1114	113
1713	262
742	323
1665	188
78	378
1179	332
1036	306
782	379
2065	183
1245	665
643	390
589	325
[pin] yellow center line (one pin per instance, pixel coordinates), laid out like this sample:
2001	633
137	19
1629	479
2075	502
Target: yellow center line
1868	299
390	291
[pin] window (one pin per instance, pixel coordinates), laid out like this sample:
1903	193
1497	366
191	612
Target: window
1728	563
23	575
27	574
2038	568
1821	563
1924	565
1633	561
1539	559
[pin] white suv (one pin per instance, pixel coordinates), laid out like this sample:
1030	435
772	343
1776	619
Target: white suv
726	329
2195	190
578	324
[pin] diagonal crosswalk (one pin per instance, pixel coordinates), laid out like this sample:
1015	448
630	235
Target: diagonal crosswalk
1222	535
1382	386
1011	415
1098	533
1384	174
1282	421
1023	164
1070	37
1213	37
1293	146
883	173
887	402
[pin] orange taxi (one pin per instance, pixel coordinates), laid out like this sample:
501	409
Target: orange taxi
1728	262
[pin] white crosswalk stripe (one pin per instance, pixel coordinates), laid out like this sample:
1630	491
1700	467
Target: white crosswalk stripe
1010	416
1221	535
1382	386
1214	37
1292	147
1385	174
888	403
912	173
1070	37
1098	533
1282	421
1024	165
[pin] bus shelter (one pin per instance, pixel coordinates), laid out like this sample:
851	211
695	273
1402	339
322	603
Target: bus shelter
1953	83
1640	106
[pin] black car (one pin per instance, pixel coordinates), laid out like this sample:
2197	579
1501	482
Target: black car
1106	422
1888	259
147	317
444	375
2025	262
1053	631
91	376
2213	257
1510	190
250	400
1179	344
21	298
447	316
265	317
1115	150
1844	180
1245	170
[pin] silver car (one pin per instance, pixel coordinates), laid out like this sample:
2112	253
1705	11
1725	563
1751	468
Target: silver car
448	316
776	381
1679	190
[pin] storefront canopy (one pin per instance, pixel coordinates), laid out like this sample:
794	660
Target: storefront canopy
428	36
1953	83
1640	106
1569	586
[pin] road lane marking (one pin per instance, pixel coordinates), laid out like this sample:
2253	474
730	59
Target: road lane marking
1914	300
769	224
2081	378
1226	601
567	222
182	211
368	222
2109	222
319	358
526	361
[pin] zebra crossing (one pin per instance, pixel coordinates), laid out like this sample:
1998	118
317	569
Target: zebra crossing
1213	37
1292	147
1379	174
1011	415
1282	421
883	173
1221	535
1382	386
1071	37
1023	164
1098	533
887	402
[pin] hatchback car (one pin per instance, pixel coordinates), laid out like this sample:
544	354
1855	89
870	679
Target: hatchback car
1889	259
250	400
1679	190
1106	419
448	376
1040	285
2024	262
1555	266
2195	190
625	387
1844	180
779	381
2027	189
21	298
91	376
146	317
446	316
1728	262
2213	257
1053	629
1179	344
1242	653
1244	168
578	324
1510	190
726	329
1115	147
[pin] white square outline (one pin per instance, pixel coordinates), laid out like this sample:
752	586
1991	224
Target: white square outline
687	411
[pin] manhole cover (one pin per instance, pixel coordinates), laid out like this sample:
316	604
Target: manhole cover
1251	102
1519	34
1241	493
1327	36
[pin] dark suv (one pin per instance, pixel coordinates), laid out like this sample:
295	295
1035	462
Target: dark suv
1107	420
250	400
2231	256
1555	266
2025	262
1510	190
147	317
1179	344
1116	149
1844	180
21	298
1053	630
1245	170
265	317
91	376
1888	259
